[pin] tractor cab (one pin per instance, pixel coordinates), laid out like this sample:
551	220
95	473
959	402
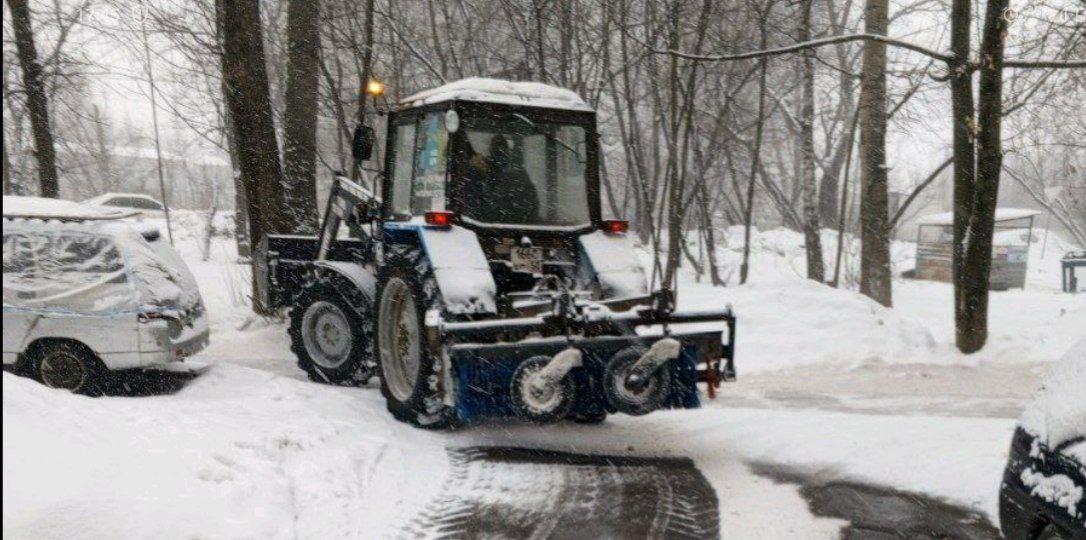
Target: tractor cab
515	163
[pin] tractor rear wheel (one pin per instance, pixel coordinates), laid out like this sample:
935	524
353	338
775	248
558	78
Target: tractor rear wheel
329	338
411	373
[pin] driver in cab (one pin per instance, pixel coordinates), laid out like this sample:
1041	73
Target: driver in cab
498	187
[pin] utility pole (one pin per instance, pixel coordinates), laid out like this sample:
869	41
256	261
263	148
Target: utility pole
154	120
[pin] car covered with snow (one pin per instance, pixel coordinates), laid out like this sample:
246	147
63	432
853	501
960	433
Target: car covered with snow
85	291
1043	495
142	205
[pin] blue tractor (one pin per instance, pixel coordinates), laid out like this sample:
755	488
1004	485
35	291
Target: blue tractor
475	276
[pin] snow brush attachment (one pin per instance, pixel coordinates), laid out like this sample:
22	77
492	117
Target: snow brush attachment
541	390
633	380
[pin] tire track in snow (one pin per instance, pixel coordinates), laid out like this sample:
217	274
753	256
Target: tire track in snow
499	492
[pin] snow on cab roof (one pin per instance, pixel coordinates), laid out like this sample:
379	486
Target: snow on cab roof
531	94
1002	214
60	209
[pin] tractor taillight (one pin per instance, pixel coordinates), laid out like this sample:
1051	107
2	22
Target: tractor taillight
616	226
439	219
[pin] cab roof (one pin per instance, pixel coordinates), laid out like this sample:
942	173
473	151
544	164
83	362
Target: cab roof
482	90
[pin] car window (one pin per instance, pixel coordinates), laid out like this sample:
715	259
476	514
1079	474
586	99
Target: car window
65	271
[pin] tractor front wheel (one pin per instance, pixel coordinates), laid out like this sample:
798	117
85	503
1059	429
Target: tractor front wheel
411	373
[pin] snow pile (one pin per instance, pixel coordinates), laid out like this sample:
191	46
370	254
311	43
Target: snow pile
796	323
780	254
786	320
531	94
1058	414
239	453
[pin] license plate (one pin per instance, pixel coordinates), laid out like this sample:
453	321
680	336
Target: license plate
528	259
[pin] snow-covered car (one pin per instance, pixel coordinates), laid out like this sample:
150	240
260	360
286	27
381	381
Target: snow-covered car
86	291
1043	495
143	205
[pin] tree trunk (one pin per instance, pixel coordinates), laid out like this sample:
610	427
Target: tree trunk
9	186
241	202
842	216
36	102
961	93
300	115
101	143
972	331
249	102
755	154
875	241
812	228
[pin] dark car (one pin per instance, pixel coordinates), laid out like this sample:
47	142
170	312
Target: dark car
1043	495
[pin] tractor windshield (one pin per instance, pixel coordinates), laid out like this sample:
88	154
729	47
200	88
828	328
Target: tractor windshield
516	171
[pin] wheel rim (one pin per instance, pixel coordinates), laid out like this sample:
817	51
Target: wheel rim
327	335
539	400
400	344
63	370
621	382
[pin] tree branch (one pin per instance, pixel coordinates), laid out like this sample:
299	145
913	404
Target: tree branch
1043	64
832	40
916	192
814	43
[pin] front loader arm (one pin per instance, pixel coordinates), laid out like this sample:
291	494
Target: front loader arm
346	201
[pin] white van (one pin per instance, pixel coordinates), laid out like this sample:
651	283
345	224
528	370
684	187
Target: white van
84	292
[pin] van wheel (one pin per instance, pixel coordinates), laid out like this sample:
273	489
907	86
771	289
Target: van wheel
329	338
68	366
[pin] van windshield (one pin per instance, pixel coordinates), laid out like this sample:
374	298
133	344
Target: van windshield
515	171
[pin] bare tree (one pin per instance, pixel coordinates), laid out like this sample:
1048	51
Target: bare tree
300	114
976	264
9	186
812	231
249	101
875	241
37	104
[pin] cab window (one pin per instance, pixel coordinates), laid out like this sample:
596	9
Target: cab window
428	193
403	153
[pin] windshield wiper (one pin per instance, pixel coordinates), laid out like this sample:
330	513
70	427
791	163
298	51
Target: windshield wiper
549	136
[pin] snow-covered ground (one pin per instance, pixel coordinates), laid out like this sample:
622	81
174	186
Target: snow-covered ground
830	383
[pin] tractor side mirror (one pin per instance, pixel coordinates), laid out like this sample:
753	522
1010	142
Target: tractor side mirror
362	143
